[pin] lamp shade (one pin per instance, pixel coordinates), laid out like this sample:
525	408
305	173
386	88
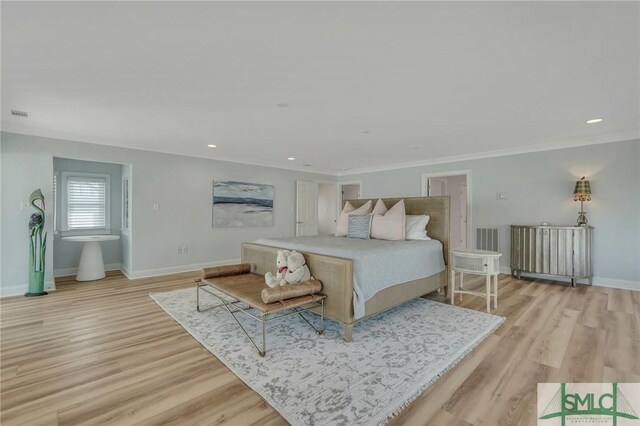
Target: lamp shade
582	191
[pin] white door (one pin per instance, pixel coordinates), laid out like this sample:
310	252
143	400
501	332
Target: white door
463	215
327	208
306	208
437	186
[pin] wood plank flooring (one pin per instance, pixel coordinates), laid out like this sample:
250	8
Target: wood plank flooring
105	353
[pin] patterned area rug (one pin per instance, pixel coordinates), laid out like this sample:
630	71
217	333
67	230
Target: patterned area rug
315	379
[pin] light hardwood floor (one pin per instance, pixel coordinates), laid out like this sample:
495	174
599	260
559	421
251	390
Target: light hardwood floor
105	353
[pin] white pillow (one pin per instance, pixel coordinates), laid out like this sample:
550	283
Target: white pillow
416	227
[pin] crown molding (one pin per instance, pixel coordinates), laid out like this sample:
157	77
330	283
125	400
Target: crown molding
573	143
73	137
564	144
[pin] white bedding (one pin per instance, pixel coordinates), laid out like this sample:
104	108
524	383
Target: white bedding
377	264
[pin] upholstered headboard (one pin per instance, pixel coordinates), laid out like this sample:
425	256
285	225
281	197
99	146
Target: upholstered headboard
436	207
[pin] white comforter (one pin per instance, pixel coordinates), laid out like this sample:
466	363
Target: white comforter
377	264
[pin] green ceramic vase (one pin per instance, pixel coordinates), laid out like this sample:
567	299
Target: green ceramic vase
36	284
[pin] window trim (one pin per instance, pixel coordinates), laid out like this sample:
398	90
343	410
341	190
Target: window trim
64	224
126	217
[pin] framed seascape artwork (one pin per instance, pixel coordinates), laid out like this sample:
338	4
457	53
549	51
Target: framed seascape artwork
242	204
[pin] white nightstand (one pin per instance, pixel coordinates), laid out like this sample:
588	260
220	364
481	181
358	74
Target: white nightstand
477	262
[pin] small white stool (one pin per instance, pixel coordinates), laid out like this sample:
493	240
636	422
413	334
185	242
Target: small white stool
477	262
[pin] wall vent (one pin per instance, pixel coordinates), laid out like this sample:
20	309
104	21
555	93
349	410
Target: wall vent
19	113
487	239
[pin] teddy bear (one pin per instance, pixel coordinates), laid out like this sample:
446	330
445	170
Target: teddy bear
297	269
282	265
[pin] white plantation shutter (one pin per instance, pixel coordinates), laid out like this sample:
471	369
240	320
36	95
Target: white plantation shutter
87	202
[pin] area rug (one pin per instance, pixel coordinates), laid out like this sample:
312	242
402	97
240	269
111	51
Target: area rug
315	379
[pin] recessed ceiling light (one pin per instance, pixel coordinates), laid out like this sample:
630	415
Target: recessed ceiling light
291	158
594	120
211	145
283	105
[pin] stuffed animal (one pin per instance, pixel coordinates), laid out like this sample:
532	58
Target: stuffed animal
297	269
282	265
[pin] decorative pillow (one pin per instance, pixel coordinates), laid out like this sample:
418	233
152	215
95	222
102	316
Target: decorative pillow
359	226
416	227
380	208
389	226
343	221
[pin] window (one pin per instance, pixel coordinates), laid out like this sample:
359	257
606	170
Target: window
86	201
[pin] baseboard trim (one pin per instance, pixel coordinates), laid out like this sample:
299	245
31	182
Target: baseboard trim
20	290
616	283
148	273
125	271
597	281
66	272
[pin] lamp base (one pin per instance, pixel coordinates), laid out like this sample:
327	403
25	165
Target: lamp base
582	219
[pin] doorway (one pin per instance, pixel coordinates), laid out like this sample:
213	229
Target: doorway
327	208
350	191
456	186
319	203
91	200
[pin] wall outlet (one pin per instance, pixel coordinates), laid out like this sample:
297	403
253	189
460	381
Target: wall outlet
185	250
179	250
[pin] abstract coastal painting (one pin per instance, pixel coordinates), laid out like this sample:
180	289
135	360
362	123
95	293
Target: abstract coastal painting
242	204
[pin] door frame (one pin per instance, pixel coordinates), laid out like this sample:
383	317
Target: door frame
339	193
341	184
467	172
429	181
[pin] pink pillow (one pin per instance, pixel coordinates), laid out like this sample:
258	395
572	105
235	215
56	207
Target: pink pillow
379	208
343	220
389	226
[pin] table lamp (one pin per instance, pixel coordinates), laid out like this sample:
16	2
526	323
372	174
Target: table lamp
582	193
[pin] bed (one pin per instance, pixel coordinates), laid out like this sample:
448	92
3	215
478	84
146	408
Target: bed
355	280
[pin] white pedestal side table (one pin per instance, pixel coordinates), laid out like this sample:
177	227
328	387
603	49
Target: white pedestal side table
91	266
476	262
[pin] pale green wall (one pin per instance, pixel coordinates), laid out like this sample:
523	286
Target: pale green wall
181	185
539	186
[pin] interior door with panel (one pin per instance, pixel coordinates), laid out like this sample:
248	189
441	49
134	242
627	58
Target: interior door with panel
306	208
463	215
437	186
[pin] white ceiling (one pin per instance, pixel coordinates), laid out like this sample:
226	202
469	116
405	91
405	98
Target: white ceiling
429	81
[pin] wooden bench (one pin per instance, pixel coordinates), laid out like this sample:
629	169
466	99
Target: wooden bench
245	288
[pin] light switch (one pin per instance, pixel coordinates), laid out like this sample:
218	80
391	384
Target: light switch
502	196
156	207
